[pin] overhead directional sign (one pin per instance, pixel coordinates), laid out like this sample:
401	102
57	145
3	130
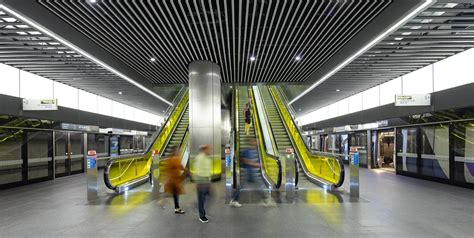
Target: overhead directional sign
40	104
413	100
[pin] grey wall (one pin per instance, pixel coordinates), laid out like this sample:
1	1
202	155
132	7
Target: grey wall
459	97
13	106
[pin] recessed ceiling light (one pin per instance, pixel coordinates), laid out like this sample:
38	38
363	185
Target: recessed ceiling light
299	109
120	92
152	59
92	1
252	58
338	90
297	58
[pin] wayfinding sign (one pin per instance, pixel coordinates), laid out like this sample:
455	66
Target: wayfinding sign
413	100
40	104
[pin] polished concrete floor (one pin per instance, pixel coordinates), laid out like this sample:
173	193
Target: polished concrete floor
390	206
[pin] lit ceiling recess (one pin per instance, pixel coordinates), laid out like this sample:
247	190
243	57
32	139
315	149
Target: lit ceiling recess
80	51
376	40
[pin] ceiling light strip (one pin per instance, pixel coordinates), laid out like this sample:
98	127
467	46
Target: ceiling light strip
144	55
283	55
366	47
229	45
263	55
145	33
335	22
286	52
203	31
196	31
187	40
247	46
169	44
77	49
254	67
270	54
188	28
278	53
301	42
222	45
313	36
342	37
215	42
103	35
254	35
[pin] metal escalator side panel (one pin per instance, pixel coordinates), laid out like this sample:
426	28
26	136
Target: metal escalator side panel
324	169
126	171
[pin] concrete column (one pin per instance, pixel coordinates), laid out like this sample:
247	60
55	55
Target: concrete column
205	111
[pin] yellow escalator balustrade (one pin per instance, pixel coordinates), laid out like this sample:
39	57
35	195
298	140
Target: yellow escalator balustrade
324	167
127	170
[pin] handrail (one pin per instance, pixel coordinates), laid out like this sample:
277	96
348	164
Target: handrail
290	109
322	169
235	125
143	162
296	173
180	117
266	120
184	143
181	94
263	153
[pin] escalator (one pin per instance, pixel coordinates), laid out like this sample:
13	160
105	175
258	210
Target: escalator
245	141
270	173
311	168
278	128
178	136
125	172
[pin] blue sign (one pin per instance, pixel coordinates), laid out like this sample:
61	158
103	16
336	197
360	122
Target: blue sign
114	146
91	162
355	159
228	161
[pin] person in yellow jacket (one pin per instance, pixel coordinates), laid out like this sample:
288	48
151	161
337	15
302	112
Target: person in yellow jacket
202	178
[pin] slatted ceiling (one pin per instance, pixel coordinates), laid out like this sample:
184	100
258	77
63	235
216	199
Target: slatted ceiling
228	32
25	48
435	34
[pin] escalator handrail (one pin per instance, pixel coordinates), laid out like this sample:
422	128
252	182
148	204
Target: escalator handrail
109	163
338	159
114	160
277	183
162	152
335	155
296	173
267	122
175	102
235	130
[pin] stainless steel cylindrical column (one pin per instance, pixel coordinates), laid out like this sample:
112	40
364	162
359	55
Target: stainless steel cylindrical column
205	111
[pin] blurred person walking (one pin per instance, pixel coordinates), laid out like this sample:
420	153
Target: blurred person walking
174	173
250	163
202	178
